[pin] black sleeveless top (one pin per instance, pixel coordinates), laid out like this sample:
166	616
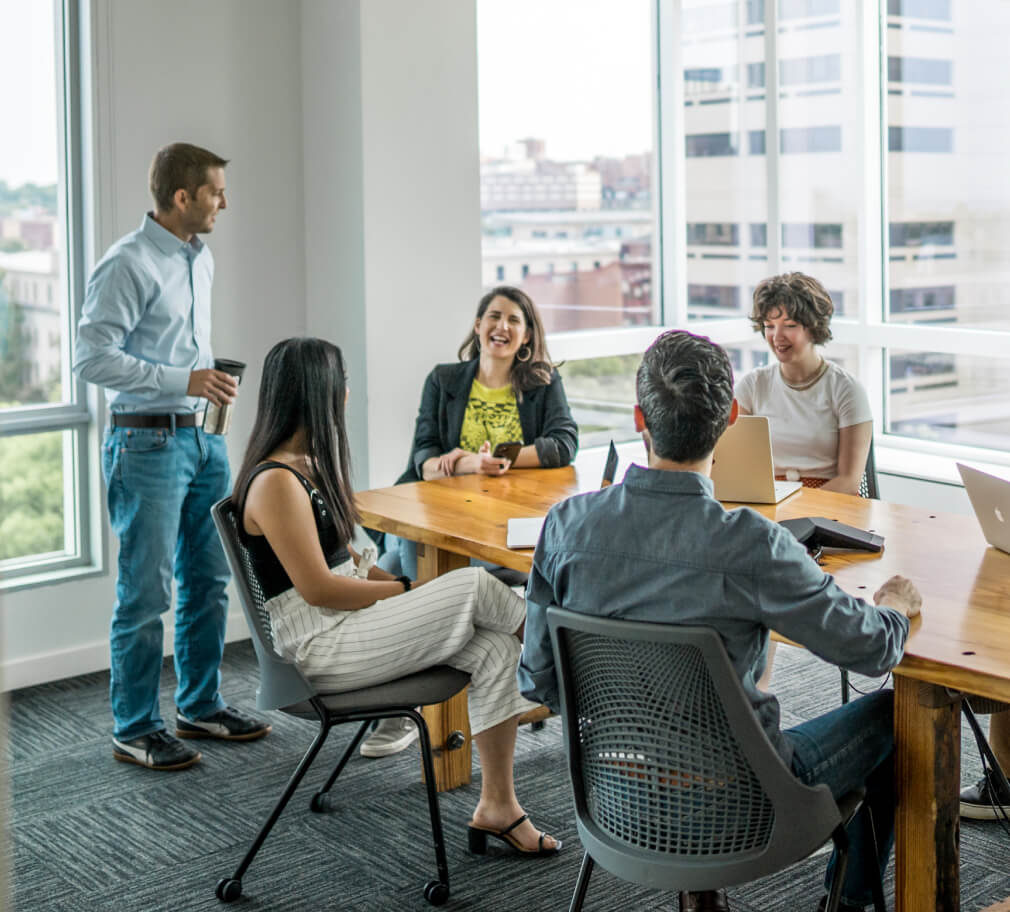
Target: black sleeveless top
272	576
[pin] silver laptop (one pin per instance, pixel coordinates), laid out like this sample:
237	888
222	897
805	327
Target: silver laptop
990	499
743	470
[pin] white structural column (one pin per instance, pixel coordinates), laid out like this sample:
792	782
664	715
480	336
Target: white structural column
392	203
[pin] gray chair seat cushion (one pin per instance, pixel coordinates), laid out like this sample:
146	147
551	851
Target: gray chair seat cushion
432	685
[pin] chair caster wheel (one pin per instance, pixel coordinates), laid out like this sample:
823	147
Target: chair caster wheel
436	892
454	741
320	803
228	889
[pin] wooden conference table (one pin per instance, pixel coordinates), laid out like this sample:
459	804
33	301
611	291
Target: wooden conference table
961	642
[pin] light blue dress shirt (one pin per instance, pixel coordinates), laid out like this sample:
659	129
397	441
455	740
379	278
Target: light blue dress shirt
659	547
146	321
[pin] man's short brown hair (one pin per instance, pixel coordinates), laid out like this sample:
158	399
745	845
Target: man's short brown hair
800	297
180	166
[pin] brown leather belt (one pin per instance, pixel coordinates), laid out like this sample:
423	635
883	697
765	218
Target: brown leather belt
153	421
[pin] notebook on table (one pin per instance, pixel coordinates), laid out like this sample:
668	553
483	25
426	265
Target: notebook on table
990	499
743	470
523	531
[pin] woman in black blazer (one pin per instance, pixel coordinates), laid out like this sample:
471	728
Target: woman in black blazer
503	388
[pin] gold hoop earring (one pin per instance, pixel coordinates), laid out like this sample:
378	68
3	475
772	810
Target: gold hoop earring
529	353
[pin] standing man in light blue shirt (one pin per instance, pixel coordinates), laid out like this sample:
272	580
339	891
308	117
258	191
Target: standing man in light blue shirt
145	337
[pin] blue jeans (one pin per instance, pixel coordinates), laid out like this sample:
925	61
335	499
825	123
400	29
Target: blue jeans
848	748
400	557
161	487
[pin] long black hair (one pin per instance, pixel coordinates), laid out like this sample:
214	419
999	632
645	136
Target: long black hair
304	385
536	368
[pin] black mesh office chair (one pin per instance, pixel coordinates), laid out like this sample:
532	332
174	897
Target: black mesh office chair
868	486
676	784
282	686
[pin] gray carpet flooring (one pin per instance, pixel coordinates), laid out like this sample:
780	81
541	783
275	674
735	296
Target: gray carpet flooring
88	833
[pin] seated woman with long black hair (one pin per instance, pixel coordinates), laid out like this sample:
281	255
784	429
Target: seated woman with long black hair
347	624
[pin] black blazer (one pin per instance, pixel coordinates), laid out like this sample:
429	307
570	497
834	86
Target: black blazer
544	415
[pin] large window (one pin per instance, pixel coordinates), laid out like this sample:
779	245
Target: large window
863	143
44	423
567	177
948	202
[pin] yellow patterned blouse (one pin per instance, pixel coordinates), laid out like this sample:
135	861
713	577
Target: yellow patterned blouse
492	415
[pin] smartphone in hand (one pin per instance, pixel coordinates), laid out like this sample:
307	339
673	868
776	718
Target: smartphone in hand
508	450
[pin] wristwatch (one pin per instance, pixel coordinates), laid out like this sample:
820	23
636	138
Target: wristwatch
406	582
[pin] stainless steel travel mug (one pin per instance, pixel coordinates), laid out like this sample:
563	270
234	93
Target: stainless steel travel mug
217	418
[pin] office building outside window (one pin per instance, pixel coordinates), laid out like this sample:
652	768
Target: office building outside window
775	120
948	201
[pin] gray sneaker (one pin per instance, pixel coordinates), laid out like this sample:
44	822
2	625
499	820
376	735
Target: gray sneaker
157	751
389	737
227	724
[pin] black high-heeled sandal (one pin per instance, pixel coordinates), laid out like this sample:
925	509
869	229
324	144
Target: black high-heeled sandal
477	838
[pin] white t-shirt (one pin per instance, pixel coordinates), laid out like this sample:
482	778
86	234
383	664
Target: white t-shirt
804	423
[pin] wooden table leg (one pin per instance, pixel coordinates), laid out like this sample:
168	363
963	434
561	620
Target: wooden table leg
453	765
927	731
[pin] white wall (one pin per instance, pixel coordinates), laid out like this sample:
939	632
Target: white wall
224	75
334	204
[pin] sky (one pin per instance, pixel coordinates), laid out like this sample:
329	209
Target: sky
573	72
27	92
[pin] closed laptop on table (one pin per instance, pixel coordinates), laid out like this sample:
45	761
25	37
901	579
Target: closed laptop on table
743	470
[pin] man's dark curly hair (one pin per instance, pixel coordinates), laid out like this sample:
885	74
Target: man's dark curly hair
685	391
800	297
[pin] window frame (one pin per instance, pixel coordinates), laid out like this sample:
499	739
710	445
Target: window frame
871	251
74	416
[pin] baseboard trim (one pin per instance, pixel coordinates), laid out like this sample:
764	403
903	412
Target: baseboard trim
44	667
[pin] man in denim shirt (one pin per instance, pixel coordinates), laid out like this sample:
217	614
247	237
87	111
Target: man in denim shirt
659	547
145	337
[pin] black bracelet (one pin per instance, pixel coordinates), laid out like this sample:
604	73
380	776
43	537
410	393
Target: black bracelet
406	582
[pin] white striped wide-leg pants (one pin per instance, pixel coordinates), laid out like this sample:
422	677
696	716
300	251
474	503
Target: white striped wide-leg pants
465	619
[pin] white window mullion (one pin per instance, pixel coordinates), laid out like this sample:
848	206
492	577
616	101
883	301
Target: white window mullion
975	343
601	343
774	231
672	208
872	215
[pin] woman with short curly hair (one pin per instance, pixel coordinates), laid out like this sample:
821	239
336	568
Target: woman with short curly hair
819	414
821	423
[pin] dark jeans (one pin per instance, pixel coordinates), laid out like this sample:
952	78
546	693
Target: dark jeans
848	748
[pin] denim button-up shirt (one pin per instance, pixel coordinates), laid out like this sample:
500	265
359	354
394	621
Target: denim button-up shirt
146	321
659	547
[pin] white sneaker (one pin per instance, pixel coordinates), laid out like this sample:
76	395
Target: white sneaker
389	737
